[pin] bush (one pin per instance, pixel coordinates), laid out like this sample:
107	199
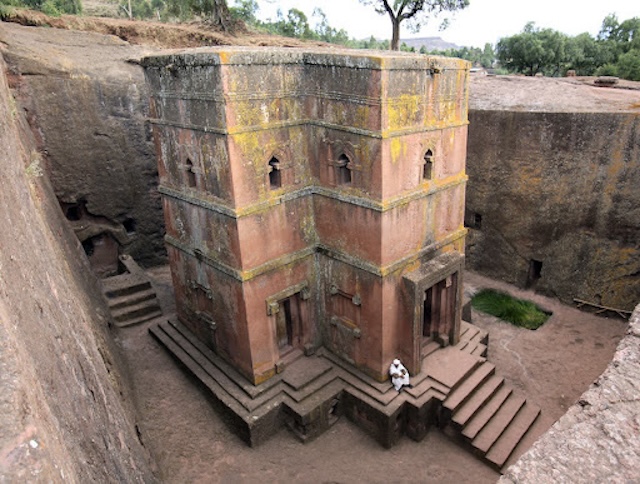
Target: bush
50	7
6	12
607	70
524	314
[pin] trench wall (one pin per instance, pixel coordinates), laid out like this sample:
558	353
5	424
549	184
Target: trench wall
597	439
88	107
561	190
65	409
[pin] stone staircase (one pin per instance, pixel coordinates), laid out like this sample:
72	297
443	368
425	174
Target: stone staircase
131	298
488	415
456	388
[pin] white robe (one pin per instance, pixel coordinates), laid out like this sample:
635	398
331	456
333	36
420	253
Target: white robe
399	376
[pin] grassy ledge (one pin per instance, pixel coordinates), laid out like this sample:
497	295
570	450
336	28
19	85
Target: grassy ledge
519	312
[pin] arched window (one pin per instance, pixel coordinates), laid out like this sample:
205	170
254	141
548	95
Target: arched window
191	174
343	170
275	175
427	167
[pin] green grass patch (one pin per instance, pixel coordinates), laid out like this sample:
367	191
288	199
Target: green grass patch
519	312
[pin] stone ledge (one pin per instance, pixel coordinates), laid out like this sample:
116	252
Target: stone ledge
597	439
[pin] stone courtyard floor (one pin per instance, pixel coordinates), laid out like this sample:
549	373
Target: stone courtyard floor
190	443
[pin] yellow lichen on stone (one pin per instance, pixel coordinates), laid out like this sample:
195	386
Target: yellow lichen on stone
397	149
361	119
403	112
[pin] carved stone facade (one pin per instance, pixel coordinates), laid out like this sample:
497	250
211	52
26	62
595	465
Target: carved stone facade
313	199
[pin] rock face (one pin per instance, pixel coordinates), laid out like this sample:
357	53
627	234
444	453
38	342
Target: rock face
552	199
65	412
597	439
89	107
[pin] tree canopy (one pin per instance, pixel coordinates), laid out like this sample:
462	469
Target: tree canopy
415	12
615	51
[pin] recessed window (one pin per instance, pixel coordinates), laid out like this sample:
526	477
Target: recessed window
275	175
191	174
88	247
343	170
73	212
472	220
535	272
129	225
427	167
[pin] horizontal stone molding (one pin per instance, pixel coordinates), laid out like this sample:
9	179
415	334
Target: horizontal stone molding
345	58
378	134
239	274
295	257
270	95
326	192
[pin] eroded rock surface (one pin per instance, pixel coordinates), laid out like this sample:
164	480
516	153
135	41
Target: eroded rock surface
88	106
65	408
552	198
597	439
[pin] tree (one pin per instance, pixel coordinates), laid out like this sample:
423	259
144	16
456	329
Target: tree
246	11
325	32
295	24
488	56
534	50
52	7
628	65
415	12
216	11
620	42
586	54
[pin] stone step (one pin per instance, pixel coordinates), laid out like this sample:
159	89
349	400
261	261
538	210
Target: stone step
475	346
481	418
471	333
498	423
123	285
466	388
479	350
251	390
479	398
513	434
450	366
427	384
201	366
132	299
220	391
539	427
141	309
429	348
139	319
313	388
321	374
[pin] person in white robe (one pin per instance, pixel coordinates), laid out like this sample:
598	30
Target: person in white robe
399	375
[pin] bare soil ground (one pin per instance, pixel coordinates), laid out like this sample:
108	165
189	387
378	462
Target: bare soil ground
552	94
191	443
156	34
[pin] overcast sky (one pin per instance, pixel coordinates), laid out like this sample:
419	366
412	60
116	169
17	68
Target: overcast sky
482	21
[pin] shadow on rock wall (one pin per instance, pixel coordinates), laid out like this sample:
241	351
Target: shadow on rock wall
88	106
65	408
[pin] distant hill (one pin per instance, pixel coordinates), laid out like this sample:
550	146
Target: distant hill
431	43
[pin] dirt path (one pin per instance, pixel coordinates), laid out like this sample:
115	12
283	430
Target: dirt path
553	365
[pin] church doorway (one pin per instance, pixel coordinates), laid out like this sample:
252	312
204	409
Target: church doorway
439	310
289	324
